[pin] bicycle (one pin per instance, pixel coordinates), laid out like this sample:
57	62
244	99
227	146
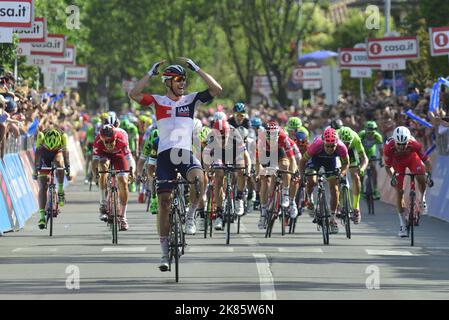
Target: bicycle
414	212
176	235
52	210
274	203
322	214
113	203
369	186
229	212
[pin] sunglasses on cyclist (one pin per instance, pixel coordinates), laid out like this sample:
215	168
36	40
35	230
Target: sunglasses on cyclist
401	144
330	146
179	78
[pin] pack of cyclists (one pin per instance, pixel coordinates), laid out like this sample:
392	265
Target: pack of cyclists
171	140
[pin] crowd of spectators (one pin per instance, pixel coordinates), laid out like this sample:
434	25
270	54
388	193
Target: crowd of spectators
20	105
381	106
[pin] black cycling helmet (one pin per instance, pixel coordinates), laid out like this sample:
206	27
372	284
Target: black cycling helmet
336	124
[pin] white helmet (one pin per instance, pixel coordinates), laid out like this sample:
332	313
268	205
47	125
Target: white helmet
401	135
112	119
219	115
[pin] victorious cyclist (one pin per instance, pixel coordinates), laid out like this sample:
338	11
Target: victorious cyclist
174	116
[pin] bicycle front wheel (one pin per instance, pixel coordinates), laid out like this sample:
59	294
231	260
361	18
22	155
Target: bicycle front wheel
228	221
324	217
346	211
411	221
115	220
50	209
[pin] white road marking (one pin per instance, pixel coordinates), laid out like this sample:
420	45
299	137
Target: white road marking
301	250
124	249
267	291
210	249
35	249
388	253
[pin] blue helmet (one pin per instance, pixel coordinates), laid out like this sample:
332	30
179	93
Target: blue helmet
256	122
239	107
301	136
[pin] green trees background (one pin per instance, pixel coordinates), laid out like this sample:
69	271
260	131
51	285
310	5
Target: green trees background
232	39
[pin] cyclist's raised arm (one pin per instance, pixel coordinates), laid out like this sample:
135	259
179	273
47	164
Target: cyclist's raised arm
214	87
136	93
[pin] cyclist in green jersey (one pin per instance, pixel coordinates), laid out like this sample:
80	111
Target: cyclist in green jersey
358	161
294	125
91	133
148	159
370	139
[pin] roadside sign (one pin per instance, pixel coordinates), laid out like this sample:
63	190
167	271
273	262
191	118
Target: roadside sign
391	65
36	33
361	73
16	14
37	60
69	56
78	73
439	41
54	46
6	35
307	74
311	85
393	48
23	49
356	58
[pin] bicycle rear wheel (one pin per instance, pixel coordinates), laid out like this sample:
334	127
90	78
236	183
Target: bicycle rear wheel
369	195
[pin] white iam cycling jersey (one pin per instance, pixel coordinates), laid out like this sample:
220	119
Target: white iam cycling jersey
175	118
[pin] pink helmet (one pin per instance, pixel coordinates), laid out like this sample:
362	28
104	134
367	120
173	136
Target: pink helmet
330	136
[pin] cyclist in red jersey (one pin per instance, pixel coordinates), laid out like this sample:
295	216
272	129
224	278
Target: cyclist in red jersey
111	145
275	149
402	151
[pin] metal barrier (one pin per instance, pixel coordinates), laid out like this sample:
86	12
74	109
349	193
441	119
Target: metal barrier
442	140
17	144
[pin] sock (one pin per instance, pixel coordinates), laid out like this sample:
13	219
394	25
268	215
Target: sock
285	190
102	196
401	220
124	208
292	200
164	245
60	187
42	213
356	200
192	210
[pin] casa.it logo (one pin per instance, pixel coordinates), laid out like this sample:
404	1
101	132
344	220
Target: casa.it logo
375	48
5	193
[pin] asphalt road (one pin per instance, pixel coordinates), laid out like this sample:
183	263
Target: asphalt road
374	264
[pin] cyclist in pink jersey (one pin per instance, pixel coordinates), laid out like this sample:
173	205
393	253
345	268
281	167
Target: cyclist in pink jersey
323	152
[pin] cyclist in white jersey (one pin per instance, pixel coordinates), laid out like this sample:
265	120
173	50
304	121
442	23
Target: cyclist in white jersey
174	115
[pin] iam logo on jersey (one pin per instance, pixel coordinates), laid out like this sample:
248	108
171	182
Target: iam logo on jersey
184	111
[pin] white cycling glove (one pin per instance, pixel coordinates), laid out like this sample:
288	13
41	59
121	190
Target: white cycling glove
153	71
192	65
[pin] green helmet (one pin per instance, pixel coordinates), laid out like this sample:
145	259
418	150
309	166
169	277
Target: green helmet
370	126
52	139
346	135
96	120
153	135
294	123
204	133
124	123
